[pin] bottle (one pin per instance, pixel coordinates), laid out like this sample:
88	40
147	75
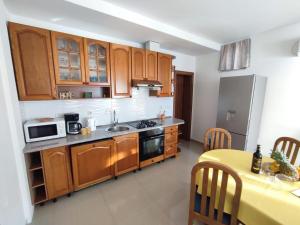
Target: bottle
91	122
256	160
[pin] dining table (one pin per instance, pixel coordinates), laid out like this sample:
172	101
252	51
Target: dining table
265	200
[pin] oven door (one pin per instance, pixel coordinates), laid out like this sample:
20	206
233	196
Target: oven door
151	147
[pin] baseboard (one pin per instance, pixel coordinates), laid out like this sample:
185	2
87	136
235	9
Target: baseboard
200	142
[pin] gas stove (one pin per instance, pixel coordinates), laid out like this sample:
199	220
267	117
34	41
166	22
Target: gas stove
143	124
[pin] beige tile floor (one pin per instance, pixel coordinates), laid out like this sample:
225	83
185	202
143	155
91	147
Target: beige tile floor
157	195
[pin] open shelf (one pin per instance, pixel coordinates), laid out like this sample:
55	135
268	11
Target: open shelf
37	178
40	195
78	92
35	161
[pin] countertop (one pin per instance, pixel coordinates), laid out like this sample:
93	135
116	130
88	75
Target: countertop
99	134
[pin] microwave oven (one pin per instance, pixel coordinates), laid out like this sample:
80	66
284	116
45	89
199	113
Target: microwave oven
44	129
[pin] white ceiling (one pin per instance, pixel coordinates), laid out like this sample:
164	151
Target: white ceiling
189	26
220	20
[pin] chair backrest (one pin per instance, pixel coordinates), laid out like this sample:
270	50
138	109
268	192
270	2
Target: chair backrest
209	218
215	138
288	146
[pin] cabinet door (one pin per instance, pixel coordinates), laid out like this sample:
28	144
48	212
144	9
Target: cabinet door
120	70
68	58
151	65
165	73
97	62
56	164
32	56
126	153
138	64
92	163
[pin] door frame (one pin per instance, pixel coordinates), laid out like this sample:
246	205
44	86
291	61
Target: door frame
191	75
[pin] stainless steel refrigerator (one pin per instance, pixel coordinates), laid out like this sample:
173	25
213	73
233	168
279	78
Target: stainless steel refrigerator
241	100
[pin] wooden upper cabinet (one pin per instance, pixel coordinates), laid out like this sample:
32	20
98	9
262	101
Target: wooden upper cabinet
57	171
165	74
138	64
120	56
92	163
151	65
97	62
126	153
32	57
68	58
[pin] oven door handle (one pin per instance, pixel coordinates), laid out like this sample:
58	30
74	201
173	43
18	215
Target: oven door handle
154	137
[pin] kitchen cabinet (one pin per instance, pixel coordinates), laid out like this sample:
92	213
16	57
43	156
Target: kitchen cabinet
138	63
68	57
32	57
120	56
151	65
144	64
165	74
97	62
57	171
171	141
92	163
126	153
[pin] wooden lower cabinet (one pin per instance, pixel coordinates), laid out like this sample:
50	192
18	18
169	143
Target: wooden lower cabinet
171	141
58	179
92	163
126	153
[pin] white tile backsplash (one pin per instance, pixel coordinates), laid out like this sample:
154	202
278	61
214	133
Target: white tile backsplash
140	106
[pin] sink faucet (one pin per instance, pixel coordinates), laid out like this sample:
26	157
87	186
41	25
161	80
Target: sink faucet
115	121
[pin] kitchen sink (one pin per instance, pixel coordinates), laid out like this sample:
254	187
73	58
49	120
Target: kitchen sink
117	129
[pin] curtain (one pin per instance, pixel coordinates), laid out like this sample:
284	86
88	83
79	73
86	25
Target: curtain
235	56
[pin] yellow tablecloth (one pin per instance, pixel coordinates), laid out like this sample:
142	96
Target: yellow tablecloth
263	201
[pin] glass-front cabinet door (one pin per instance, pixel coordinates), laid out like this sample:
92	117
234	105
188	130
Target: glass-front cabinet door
68	58
97	62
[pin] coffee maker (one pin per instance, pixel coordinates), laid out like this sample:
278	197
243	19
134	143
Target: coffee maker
72	124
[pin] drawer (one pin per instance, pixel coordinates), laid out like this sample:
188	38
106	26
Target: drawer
171	129
171	138
170	150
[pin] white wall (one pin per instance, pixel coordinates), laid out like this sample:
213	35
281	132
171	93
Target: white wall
140	106
15	204
205	101
271	57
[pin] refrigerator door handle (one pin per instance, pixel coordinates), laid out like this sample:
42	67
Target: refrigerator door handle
230	114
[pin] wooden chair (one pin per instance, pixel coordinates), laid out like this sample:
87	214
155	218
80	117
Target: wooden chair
215	138
202	207
289	146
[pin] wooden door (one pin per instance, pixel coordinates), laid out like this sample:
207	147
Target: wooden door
97	62
92	163
120	70
151	65
138	63
32	57
57	171
126	153
68	58
165	74
183	101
